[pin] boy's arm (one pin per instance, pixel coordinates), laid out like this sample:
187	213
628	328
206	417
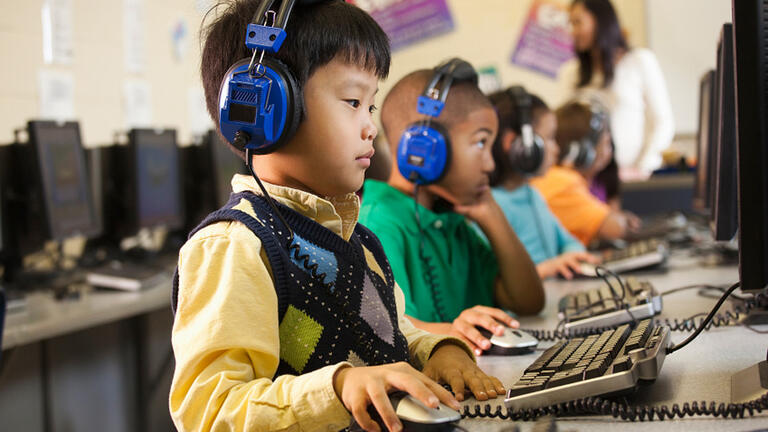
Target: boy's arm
519	287
421	343
226	343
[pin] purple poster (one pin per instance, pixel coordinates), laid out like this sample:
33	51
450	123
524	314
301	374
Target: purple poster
545	43
409	21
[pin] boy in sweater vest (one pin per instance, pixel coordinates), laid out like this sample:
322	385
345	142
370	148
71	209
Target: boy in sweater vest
287	316
454	281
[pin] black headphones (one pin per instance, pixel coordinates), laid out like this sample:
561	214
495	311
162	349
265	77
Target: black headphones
424	150
260	102
527	152
582	153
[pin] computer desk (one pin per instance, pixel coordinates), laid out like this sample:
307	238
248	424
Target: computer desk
98	362
44	317
700	371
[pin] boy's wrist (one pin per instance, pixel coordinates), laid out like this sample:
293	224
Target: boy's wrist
338	378
452	346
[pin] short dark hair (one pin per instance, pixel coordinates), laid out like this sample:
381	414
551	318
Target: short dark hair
573	124
509	119
316	34
608	39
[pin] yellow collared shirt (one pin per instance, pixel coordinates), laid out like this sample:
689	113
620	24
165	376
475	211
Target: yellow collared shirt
225	334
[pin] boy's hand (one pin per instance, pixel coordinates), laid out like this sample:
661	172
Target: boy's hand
633	222
492	319
485	211
565	265
357	387
451	365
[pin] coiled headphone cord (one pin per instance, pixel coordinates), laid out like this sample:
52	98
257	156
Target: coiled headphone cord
429	268
294	249
600	406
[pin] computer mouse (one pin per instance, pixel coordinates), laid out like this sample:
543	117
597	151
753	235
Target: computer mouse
415	416
587	270
512	342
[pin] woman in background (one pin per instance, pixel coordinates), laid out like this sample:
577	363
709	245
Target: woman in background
628	81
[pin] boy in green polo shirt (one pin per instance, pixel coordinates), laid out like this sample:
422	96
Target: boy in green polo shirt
452	279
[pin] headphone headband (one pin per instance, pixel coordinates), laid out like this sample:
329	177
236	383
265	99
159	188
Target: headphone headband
527	152
424	150
523	102
432	99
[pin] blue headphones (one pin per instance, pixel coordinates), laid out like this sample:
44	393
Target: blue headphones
424	150
260	103
527	152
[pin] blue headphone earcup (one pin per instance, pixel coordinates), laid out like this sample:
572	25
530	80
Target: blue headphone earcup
527	160
243	109
424	153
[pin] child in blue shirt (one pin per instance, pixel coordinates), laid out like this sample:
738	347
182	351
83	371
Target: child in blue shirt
525	147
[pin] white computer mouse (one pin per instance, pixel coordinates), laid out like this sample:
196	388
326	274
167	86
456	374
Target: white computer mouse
512	342
414	415
412	411
587	269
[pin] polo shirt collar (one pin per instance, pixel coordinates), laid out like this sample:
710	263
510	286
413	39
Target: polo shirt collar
339	214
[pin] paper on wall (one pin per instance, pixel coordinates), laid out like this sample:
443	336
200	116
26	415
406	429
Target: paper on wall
137	104
58	31
57	95
133	35
199	119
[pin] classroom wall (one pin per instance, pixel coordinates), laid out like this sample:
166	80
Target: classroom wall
488	36
685	52
485	36
98	65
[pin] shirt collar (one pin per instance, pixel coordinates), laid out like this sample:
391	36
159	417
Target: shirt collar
338	214
446	221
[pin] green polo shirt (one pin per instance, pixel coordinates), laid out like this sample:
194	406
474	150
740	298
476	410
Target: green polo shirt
462	267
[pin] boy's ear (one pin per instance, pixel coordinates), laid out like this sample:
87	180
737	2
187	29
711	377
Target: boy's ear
507	137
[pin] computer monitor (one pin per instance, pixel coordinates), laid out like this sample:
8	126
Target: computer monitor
225	165
2	210
750	30
157	176
705	142
50	183
207	170
724	212
141	183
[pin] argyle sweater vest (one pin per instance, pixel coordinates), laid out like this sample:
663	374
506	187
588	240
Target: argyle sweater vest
336	299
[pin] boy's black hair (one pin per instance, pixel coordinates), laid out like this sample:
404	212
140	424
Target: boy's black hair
316	34
509	119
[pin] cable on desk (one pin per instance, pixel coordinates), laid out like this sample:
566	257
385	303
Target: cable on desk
600	406
706	320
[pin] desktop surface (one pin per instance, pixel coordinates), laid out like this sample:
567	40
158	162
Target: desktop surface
701	371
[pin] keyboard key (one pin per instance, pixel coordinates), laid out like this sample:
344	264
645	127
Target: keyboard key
544	358
518	389
622	364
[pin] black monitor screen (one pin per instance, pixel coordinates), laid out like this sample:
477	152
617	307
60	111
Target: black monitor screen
750	23
68	202
705	142
2	209
225	165
724	208
157	178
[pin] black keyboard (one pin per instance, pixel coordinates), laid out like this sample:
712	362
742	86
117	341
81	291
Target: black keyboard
611	362
667	225
605	307
635	256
